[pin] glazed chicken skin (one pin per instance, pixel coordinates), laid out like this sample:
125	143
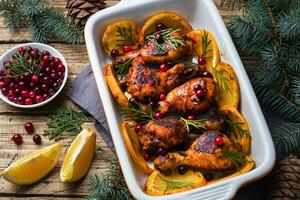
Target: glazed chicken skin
144	84
163	133
183	99
168	132
151	53
202	154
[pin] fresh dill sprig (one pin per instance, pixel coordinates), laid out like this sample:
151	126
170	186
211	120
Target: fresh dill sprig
110	185
123	68
223	82
167	40
237	129
125	34
238	158
174	184
65	122
139	116
205	43
196	123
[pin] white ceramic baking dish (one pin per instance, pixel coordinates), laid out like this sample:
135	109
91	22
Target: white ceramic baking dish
201	14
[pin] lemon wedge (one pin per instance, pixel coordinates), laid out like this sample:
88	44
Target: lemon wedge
79	156
34	166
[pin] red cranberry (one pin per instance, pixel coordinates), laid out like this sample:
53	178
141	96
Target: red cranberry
34	79
160	26
33	53
126	48
200	93
147	156
197	87
201	61
32	85
45	53
219	140
44	87
24	93
57	61
2	72
22	85
182	170
17	138
27	76
28	127
37	90
11	93
21	100
37	139
162	97
60	68
45	59
138	128
46	96
114	53
28	49
158	37
195	39
60	74
21	50
59	81
17	91
164	67
41	75
2	84
12	86
28	101
207	74
158	115
4	91
52	76
46	80
191	117
32	94
38	99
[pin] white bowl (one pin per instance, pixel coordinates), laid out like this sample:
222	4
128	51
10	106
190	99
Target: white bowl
42	47
202	14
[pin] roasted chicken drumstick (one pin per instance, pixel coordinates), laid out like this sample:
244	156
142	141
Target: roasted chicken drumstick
202	154
184	99
144	84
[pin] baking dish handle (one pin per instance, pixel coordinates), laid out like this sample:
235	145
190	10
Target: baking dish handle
221	192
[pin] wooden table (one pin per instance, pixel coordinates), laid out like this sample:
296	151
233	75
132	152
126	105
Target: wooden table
12	121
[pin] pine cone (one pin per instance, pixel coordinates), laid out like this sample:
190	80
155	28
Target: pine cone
81	10
286	183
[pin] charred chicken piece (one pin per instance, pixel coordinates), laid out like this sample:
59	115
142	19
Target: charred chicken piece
169	132
163	133
153	54
183	99
202	154
144	84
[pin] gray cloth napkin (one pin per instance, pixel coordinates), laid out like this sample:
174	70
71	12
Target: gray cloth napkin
84	92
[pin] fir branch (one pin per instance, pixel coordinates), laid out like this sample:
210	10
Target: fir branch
123	68
296	91
32	7
125	34
139	116
289	24
110	185
287	138
37	32
65	122
222	81
167	40
232	3
238	158
291	56
196	123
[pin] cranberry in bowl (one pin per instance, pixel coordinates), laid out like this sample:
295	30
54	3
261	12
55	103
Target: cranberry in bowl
32	75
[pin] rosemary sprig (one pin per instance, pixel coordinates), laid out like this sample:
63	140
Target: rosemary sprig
238	158
123	68
174	184
65	122
197	123
184	61
139	116
24	63
237	129
205	45
125	34
223	82
167	40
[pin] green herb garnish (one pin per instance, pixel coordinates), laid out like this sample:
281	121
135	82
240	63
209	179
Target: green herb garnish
125	34
65	122
139	116
205	43
223	82
172	184
167	40
237	129
238	158
123	68
197	123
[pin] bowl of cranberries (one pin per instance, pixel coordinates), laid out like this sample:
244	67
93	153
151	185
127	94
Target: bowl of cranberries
31	75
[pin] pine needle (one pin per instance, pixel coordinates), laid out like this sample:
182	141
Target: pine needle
66	122
110	185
